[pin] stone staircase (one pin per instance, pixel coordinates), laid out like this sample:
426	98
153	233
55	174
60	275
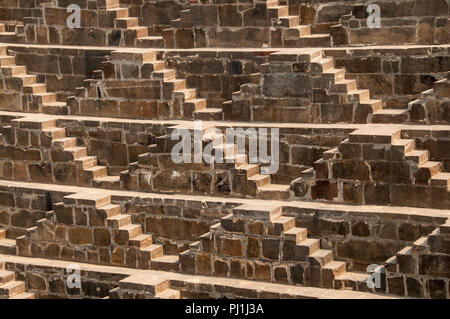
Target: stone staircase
295	35
144	287
35	97
380	156
433	106
96	228
11	288
263	233
183	100
247	180
64	149
140	34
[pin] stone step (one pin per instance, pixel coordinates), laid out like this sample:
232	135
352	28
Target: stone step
166	74
96	199
375	135
118	221
120	12
282	225
77	152
12	288
141	32
324	63
390	116
175	84
441	180
110	182
2	233
404	145
35	88
345	86
169	294
8	246
6	276
336	267
64	142
314	40
125	23
320	257
34	123
6	60
249	169
418	156
24	295
151	42
45	98
263	211
209	114
109	210
426	171
260	180
153	251
55	132
352	277
191	107
337	75
166	263
296	234
130	231
141	241
189	94
27	79
278	11
441	89
54	108
86	161
96	172
14	70
134	55
290	21
311	244
274	192
294	33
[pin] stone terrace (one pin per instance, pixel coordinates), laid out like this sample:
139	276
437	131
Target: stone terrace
88	115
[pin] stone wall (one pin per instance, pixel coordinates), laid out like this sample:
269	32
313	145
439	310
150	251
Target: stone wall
396	76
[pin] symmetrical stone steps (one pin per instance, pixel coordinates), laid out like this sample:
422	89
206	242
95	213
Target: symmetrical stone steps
266	223
428	172
17	78
131	24
185	99
9	287
66	149
123	231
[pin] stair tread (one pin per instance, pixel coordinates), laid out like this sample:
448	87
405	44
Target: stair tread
95	168
350	275
208	110
24	295
168	293
108	178
7	242
391	111
441	176
167	259
275	187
